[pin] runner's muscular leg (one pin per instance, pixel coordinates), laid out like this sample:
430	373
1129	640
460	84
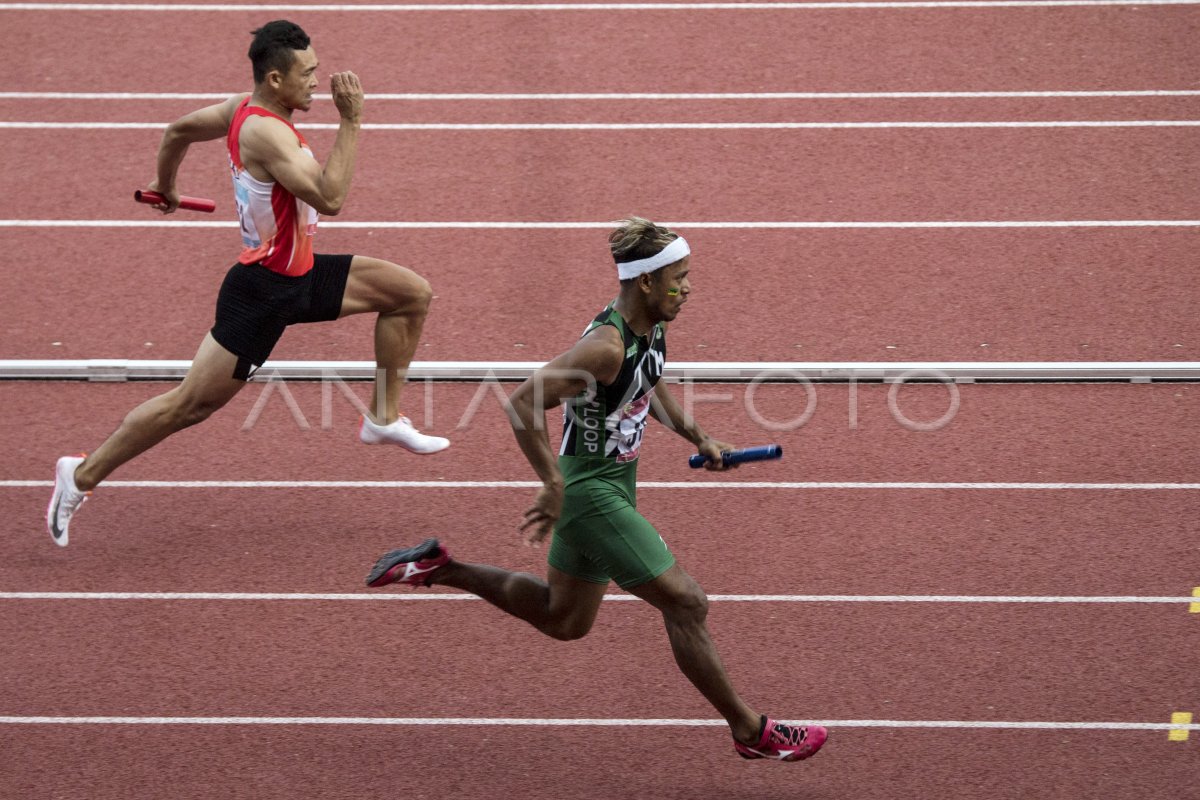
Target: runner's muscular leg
562	607
208	386
684	607
401	298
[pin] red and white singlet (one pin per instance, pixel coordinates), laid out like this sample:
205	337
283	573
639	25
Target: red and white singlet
277	226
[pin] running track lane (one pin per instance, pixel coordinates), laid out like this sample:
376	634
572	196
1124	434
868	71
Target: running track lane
1048	433
786	50
843	542
826	541
770	175
617	108
466	659
598	764
524	295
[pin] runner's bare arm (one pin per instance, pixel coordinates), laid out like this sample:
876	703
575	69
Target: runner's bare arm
667	410
268	145
203	125
596	358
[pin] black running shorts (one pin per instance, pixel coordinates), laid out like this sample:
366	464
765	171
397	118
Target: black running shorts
256	304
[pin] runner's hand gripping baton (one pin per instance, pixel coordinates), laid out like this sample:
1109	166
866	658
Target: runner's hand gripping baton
764	452
189	203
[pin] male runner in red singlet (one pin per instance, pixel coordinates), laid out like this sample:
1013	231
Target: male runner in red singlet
280	188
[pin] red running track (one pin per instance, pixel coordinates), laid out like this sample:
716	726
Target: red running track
858	661
1119	542
544	109
718	175
646	51
867	295
594	763
1016	294
1080	295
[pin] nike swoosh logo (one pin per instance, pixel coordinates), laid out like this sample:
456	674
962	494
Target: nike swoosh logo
54	530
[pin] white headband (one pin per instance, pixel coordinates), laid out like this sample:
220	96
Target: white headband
675	251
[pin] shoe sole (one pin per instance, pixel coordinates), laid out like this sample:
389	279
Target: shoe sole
395	558
809	753
406	448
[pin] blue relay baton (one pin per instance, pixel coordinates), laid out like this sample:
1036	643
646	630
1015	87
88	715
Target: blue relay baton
766	452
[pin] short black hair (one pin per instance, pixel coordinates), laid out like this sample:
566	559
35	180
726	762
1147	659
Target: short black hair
273	45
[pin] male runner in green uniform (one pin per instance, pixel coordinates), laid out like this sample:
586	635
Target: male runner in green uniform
611	380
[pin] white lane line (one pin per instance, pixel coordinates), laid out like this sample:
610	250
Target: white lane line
595	722
571	96
807	485
468	225
716	598
650	126
380	8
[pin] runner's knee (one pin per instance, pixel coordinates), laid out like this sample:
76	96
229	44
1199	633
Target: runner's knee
420	296
409	293
567	622
690	604
569	629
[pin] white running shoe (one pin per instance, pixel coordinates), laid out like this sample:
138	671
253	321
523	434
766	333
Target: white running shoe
66	500
403	433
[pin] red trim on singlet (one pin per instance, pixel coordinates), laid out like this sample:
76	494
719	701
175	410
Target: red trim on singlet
244	110
289	250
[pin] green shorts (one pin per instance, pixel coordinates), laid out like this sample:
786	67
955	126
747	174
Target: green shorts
601	536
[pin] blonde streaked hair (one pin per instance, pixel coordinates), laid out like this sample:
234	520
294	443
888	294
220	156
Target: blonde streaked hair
637	238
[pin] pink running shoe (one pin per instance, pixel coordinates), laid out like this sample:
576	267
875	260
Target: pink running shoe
784	742
411	566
